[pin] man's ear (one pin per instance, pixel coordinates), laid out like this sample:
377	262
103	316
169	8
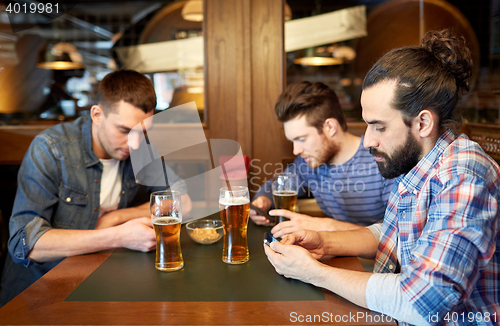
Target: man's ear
96	113
425	123
330	127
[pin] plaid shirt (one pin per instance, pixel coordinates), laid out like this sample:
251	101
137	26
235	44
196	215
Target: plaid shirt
444	214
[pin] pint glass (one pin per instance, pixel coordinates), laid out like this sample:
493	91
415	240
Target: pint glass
285	189
234	205
166	214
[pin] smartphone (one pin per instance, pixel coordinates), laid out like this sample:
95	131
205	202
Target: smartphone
259	211
268	238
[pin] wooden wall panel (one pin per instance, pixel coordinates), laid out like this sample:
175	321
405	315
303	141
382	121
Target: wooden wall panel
221	64
244	75
268	72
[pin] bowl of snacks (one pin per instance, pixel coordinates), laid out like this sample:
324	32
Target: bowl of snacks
205	231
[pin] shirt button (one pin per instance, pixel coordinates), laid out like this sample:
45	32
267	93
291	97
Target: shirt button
123	192
68	199
404	214
95	209
96	181
414	191
391	266
136	180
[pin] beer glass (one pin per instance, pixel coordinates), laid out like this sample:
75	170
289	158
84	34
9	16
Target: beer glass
285	189
166	214
234	205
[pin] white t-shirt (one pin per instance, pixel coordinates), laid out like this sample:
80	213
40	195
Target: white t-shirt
111	185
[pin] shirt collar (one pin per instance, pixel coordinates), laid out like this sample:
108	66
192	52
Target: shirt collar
90	157
413	181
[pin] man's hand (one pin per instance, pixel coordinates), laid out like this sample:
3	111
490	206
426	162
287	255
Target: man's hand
309	240
298	222
138	234
292	261
296	262
305	222
263	203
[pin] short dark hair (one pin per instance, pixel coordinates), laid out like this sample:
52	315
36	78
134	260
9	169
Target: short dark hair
314	100
431	76
129	86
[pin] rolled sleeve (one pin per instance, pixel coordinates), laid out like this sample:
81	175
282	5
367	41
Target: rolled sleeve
24	240
384	295
35	197
376	230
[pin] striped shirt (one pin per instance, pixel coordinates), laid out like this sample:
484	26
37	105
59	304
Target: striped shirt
444	217
352	192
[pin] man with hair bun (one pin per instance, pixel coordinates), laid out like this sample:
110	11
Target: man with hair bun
76	185
438	250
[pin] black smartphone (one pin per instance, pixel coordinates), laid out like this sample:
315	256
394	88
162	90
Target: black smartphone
268	238
259	211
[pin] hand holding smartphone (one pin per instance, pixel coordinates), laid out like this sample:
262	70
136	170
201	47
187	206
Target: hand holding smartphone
268	238
259	211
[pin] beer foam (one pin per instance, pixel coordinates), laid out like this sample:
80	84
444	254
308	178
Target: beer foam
166	220
233	201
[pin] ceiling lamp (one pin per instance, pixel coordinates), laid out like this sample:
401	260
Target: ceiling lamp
62	56
193	10
317	56
326	55
345	53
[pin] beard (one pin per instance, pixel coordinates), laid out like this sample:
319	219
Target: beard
328	151
402	161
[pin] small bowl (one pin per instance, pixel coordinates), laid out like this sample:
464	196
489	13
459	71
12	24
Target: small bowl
205	231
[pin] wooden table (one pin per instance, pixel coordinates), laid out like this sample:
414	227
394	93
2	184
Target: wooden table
43	304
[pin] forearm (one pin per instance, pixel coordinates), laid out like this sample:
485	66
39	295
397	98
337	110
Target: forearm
121	216
56	243
336	225
127	214
360	242
348	284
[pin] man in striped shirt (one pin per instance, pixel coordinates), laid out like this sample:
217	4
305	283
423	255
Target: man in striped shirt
331	163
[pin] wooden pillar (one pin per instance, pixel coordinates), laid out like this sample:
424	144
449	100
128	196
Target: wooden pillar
244	75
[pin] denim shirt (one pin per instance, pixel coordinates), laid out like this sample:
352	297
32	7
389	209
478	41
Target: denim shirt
59	186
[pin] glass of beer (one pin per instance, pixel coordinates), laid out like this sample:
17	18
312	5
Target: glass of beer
285	190
166	214
234	205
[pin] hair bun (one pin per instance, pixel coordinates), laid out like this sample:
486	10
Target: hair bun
452	51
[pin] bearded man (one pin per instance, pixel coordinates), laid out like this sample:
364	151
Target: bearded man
331	164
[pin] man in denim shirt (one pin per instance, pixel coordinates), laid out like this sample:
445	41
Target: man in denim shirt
76	182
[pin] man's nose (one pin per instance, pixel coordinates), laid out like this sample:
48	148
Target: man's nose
370	140
134	140
297	150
